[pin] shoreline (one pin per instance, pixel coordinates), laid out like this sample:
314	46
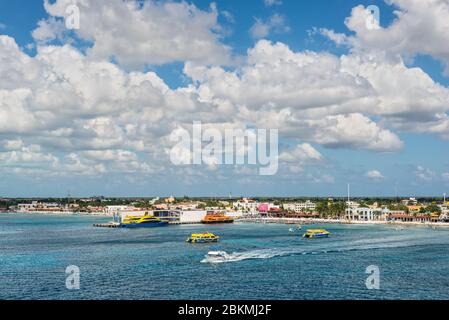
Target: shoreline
59	214
286	221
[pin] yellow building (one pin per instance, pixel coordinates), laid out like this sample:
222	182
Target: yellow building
414	208
170	200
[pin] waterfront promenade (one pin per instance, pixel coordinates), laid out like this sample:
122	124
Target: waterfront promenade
306	221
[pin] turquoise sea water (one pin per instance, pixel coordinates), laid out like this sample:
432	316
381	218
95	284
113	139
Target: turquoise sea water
266	261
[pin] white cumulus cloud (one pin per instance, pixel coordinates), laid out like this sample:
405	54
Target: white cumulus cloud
375	175
141	33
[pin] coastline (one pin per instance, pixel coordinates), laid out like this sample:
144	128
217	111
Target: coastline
286	221
338	221
59	213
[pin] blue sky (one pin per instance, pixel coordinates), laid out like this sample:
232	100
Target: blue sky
419	167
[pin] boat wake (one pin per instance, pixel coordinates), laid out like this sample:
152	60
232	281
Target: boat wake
325	249
239	256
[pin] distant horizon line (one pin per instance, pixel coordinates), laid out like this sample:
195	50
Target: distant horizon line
225	197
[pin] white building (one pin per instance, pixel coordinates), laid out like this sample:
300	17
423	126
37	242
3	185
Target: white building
187	216
36	206
444	208
300	206
26	207
365	214
246	205
409	202
352	204
115	209
192	216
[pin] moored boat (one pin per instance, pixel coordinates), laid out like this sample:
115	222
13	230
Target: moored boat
316	233
203	238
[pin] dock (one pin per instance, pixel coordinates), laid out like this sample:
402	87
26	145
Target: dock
116	225
287	221
178	223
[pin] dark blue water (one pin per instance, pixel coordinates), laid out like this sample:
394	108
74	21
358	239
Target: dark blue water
266	261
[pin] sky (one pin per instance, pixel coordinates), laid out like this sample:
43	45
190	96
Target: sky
92	109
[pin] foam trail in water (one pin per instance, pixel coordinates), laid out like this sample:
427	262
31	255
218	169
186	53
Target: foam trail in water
370	244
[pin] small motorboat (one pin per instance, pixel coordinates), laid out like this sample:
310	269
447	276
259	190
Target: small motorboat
291	230
217	255
316	233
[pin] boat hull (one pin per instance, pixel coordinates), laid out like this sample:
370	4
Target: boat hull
317	236
144	225
202	240
217	222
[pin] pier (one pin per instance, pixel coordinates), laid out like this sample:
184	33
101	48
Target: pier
178	223
289	220
117	225
107	225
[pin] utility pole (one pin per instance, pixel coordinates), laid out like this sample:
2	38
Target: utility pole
348	194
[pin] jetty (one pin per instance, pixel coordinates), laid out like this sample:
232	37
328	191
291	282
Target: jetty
107	225
290	220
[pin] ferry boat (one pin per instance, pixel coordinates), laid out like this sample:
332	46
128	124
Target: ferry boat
213	218
146	221
203	238
316	233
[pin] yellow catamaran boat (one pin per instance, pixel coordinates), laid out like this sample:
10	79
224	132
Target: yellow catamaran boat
146	221
203	238
316	233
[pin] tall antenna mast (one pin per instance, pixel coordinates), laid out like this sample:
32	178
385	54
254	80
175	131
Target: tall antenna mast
348	194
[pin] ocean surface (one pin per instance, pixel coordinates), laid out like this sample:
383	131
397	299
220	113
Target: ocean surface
265	261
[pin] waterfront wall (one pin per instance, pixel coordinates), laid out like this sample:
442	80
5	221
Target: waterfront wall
192	216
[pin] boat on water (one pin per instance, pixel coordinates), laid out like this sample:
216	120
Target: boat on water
216	217
316	233
203	238
146	221
217	255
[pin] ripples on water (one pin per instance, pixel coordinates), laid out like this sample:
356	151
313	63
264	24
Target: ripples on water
264	261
